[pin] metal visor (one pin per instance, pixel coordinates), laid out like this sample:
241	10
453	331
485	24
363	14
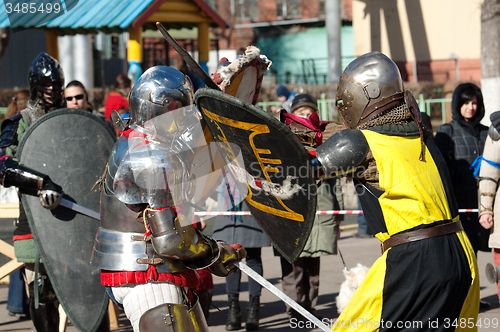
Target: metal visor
72	147
275	177
168	163
176	93
351	101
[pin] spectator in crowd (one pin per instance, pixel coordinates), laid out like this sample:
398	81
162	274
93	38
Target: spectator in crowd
301	279
18	103
461	141
246	231
76	96
285	96
489	175
117	99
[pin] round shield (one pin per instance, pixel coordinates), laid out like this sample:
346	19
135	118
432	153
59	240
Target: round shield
269	165
72	147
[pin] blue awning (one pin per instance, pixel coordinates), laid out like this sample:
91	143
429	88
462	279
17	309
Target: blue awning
84	16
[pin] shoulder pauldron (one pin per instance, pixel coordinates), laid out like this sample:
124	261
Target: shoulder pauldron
343	152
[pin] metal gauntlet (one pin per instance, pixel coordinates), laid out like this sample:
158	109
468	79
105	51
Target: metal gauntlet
224	265
172	240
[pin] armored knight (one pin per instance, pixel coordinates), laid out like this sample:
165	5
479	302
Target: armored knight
46	81
147	247
428	270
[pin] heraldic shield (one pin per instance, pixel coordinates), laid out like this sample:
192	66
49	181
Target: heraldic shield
276	179
72	147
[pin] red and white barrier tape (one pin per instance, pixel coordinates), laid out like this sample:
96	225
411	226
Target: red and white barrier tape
247	213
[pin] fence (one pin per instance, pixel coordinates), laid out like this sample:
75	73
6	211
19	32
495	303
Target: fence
328	111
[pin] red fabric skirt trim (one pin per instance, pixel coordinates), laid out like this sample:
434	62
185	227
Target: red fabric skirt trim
187	278
206	278
23	237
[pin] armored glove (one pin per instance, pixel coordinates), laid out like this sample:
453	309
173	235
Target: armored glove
228	255
50	195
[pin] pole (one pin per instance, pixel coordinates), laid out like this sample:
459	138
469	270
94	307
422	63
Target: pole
333	23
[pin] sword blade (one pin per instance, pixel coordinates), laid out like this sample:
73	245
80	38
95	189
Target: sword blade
285	298
202	74
80	209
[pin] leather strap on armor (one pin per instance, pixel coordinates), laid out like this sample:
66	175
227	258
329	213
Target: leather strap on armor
421	234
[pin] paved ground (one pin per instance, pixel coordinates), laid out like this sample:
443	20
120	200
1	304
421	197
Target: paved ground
273	318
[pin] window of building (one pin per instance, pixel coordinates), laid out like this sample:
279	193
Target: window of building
321	8
245	10
288	9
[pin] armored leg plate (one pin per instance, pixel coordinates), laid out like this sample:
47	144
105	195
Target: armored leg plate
198	320
167	317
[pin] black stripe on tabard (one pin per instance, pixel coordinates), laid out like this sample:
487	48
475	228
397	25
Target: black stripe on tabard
426	281
445	175
368	197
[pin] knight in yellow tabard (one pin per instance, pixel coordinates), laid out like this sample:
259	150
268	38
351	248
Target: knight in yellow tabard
427	277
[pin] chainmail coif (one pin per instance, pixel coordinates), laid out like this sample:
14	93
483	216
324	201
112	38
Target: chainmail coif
395	115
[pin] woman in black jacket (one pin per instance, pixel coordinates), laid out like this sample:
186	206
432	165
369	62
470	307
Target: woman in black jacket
461	141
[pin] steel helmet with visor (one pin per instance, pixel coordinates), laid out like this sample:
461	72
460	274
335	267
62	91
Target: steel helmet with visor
369	84
159	90
46	81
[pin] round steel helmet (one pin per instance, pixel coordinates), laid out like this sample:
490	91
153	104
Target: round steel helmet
159	90
46	81
365	85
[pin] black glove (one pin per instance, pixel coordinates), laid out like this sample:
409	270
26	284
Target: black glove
50	195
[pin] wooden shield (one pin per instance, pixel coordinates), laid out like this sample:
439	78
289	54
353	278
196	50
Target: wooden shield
269	166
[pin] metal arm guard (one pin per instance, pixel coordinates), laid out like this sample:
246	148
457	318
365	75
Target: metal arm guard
13	174
343	152
172	240
186	243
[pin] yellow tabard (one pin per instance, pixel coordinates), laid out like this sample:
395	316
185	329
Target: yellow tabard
414	193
